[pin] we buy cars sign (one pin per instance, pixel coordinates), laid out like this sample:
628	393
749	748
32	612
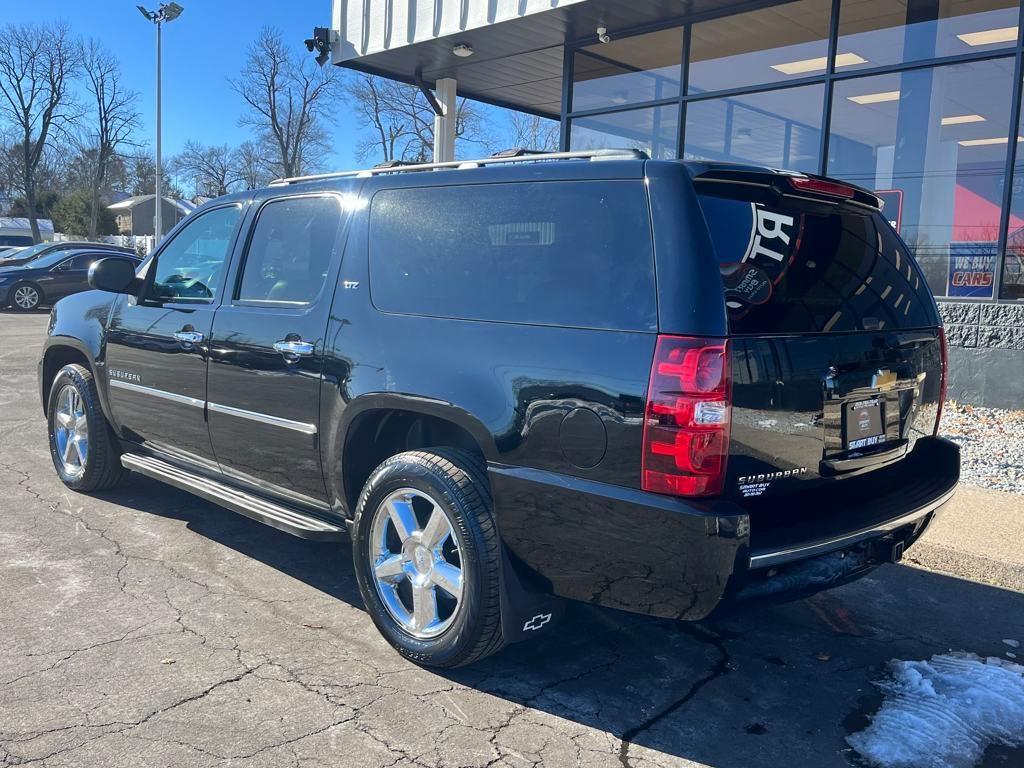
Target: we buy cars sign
971	269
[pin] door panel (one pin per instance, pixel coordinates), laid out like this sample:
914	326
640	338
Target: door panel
61	280
157	382
266	349
264	405
157	347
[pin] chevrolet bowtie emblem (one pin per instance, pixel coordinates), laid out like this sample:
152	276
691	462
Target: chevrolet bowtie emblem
537	621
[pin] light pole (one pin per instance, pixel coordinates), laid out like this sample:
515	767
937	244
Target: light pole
165	12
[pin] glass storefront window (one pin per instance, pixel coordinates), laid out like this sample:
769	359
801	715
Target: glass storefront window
933	142
653	130
629	70
769	45
875	33
1013	261
780	128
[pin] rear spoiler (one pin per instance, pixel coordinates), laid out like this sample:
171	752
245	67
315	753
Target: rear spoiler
817	189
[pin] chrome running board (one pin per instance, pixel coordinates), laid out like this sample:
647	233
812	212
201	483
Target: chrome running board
267	512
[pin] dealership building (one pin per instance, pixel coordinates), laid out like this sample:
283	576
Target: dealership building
917	100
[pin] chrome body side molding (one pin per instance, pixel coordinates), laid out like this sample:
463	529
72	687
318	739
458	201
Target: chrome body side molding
172	396
263	418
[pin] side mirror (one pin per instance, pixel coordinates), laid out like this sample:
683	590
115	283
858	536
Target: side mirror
114	274
64	266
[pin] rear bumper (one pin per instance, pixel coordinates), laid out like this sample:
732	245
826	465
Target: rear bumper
641	552
844	540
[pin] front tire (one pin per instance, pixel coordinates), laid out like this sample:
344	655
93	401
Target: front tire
426	556
26	297
82	445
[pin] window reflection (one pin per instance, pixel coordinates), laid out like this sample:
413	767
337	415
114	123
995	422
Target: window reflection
653	130
880	32
1013	261
628	70
780	128
934	142
764	46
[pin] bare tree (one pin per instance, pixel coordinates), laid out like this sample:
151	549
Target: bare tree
401	120
533	132
387	130
250	165
115	119
286	98
211	169
37	64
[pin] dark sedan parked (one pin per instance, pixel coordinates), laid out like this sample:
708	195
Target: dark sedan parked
50	277
32	252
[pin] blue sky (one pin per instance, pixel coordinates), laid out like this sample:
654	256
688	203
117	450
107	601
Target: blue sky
201	49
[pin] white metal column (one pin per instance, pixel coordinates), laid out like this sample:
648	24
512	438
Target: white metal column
444	125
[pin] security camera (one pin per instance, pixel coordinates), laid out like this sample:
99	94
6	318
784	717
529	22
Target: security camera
602	35
321	43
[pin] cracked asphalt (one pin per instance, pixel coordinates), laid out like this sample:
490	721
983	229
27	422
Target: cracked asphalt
147	627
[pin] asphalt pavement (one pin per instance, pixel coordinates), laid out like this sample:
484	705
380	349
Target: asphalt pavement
144	626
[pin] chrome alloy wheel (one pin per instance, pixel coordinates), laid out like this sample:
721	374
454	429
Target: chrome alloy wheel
417	563
26	297
71	431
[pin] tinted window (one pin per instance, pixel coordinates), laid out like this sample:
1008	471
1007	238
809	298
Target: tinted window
85	260
790	269
48	259
189	267
290	250
553	253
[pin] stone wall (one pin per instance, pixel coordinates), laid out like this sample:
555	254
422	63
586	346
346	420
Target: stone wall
986	353
983	325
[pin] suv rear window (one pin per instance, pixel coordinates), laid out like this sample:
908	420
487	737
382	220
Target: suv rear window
546	253
793	267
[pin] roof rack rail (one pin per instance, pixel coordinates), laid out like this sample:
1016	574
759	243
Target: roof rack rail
524	157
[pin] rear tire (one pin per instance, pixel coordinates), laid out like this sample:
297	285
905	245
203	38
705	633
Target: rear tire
26	297
83	447
400	558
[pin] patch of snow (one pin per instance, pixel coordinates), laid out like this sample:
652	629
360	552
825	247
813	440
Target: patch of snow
943	713
1012	643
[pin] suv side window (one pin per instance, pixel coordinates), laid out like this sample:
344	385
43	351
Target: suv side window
188	268
575	253
290	251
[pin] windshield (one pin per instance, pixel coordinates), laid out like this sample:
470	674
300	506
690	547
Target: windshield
791	267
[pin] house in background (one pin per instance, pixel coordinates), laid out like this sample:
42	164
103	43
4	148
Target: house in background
17	231
135	215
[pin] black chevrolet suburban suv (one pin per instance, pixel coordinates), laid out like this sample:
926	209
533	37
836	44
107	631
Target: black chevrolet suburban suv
660	386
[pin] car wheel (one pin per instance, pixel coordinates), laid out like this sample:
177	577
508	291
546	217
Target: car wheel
426	557
25	297
82	445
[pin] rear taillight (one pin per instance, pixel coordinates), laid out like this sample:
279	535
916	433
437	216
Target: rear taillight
943	378
686	425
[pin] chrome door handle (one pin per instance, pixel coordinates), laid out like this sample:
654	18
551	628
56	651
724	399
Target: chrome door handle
189	337
294	348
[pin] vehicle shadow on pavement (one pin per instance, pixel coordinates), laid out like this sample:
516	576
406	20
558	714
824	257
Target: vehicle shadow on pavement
777	685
